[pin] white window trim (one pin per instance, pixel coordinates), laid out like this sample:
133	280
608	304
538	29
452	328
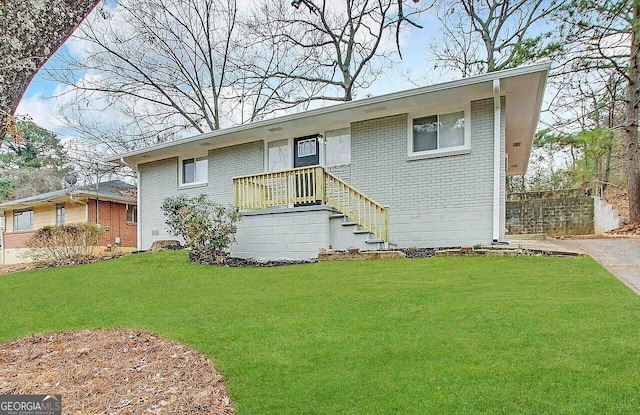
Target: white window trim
13	217
64	209
323	149
266	152
181	183
440	152
126	213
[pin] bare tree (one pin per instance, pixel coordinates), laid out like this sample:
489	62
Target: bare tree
30	32
170	67
86	162
491	35
163	64
333	47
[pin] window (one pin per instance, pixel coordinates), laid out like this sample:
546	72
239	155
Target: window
439	132
22	220
59	213
307	147
194	170
132	214
278	155
338	147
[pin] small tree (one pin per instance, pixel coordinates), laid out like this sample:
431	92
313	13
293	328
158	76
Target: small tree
207	228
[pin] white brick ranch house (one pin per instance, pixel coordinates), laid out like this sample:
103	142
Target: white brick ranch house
424	167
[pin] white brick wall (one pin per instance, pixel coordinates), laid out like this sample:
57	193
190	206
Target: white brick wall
159	180
283	235
432	202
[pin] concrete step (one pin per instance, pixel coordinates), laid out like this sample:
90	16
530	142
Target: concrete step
349	223
606	217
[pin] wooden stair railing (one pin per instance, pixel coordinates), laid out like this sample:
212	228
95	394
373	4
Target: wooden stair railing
311	185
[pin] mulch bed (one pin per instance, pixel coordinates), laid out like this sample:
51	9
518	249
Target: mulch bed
250	262
114	372
6	269
419	252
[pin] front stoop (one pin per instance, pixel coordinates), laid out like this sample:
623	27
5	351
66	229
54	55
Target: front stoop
359	256
346	234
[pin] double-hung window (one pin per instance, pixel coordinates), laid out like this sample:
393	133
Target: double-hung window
59	213
132	214
439	133
193	170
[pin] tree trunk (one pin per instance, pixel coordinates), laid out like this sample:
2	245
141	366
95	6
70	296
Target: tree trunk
630	143
607	169
31	31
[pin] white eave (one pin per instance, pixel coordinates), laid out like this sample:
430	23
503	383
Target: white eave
71	196
523	87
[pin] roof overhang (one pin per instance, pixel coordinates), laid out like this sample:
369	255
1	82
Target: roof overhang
70	197
523	87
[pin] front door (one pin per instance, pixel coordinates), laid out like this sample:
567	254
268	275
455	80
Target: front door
306	152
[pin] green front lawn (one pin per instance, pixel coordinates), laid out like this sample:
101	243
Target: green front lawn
437	336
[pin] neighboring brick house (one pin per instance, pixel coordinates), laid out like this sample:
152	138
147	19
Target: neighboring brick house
111	204
425	168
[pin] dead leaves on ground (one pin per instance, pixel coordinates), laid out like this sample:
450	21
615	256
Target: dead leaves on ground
114	372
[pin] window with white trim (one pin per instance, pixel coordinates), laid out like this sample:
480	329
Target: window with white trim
193	170
22	220
436	133
338	147
60	213
307	147
132	214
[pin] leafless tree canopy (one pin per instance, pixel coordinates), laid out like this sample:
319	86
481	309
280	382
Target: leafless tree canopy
336	47
175	67
164	61
30	32
491	35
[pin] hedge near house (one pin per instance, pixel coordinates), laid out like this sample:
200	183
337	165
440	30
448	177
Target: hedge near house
64	244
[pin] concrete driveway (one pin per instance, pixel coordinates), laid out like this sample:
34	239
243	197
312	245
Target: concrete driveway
621	256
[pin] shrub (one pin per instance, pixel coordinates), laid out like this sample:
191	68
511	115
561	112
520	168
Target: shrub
207	228
63	244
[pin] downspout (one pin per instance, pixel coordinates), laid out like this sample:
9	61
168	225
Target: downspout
139	222
4	224
496	160
97	195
